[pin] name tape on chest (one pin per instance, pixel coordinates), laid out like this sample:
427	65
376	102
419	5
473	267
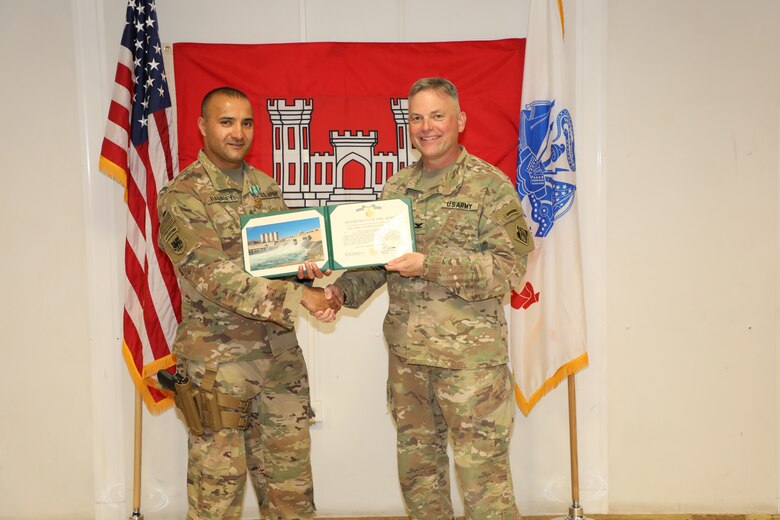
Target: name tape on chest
270	194
462	205
223	198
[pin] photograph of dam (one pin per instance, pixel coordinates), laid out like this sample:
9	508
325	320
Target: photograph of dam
280	244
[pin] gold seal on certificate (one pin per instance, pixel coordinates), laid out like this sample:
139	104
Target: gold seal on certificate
344	236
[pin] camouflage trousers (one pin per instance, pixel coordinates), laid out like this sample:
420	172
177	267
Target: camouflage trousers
476	408
274	449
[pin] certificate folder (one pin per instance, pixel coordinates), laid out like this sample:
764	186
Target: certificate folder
343	236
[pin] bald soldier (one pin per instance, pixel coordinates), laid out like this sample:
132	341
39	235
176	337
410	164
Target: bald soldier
445	327
236	340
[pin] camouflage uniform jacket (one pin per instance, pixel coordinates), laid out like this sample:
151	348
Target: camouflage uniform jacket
227	314
475	240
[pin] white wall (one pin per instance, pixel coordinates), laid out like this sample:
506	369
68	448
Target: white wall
678	149
692	249
45	415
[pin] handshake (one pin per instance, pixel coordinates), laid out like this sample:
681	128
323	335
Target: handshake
321	303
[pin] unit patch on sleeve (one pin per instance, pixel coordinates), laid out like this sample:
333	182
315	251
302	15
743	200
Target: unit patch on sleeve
171	238
510	217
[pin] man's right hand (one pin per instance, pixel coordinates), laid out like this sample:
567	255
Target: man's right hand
335	295
316	302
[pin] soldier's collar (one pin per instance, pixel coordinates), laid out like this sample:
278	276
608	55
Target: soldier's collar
219	180
451	181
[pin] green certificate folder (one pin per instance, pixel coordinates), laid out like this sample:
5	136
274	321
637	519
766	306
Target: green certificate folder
343	236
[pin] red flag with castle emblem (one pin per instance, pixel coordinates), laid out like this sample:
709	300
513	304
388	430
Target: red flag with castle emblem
330	118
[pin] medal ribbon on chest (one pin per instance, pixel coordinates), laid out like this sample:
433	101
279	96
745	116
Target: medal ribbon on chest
255	191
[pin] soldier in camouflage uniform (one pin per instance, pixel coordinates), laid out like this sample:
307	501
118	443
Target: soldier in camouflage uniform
445	326
238	327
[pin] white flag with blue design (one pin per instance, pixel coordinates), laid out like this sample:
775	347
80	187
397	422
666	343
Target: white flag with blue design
547	321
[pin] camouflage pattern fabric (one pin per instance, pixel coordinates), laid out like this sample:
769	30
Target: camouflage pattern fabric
227	314
246	325
274	449
477	408
475	240
447	335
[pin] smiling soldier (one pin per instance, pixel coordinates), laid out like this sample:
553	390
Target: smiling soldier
445	326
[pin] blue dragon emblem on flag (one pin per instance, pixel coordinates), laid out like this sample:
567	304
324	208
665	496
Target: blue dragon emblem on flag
537	163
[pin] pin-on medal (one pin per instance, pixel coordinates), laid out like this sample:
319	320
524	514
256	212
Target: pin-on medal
255	191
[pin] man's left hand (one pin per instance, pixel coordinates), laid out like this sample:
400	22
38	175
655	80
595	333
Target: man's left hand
310	271
410	264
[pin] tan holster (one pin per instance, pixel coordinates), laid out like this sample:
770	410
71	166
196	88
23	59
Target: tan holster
206	407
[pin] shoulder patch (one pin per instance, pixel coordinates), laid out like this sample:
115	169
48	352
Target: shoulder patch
171	238
510	217
507	213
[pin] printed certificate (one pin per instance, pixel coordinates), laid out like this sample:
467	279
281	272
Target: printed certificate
344	236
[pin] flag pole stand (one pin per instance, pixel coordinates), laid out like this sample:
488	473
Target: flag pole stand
575	509
136	515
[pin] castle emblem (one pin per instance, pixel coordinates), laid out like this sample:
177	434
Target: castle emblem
352	172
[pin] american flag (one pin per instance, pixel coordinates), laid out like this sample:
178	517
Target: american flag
139	152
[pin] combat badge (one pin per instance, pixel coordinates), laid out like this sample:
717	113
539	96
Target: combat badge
171	238
510	217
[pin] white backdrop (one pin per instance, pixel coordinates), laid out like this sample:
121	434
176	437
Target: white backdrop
353	444
677	122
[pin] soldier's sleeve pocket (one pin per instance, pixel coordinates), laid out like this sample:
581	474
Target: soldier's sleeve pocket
510	217
171	238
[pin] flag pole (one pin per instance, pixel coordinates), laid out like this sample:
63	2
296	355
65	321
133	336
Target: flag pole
137	459
575	509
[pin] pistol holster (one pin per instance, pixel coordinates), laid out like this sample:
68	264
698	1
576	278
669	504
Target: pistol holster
207	407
